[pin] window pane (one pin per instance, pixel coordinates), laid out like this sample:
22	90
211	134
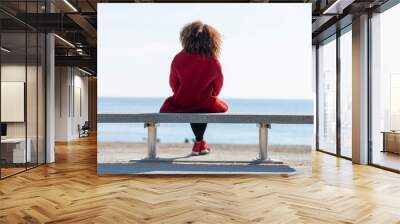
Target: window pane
31	97
327	96
346	93
386	89
14	153
41	98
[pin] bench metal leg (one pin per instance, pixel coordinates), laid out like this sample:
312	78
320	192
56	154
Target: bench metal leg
151	140
263	141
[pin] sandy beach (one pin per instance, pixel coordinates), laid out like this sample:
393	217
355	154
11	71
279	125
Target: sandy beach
297	156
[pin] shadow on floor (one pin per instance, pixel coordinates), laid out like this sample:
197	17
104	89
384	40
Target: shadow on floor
184	168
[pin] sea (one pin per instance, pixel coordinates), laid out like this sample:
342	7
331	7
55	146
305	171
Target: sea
283	134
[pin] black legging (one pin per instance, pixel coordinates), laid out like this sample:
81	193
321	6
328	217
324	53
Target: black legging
198	130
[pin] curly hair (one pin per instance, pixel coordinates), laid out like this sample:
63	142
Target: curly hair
200	38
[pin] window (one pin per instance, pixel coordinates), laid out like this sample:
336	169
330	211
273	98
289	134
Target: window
346	94
385	89
327	96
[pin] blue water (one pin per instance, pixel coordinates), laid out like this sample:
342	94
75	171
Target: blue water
216	133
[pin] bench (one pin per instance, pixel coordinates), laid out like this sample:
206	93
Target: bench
151	121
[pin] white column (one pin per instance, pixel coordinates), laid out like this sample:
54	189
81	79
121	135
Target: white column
50	99
50	92
360	90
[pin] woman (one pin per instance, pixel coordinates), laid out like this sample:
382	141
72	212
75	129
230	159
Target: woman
196	78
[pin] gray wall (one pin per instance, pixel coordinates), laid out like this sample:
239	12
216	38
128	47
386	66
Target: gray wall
71	102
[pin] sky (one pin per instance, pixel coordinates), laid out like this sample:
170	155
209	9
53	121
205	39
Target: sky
266	51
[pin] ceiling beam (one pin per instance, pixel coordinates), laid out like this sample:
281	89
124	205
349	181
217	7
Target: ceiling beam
81	61
83	23
337	6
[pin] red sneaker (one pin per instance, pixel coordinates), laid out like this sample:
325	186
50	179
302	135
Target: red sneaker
204	149
196	148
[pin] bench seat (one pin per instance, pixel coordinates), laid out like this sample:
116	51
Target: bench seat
151	121
239	118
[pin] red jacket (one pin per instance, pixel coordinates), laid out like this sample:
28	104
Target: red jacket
196	82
